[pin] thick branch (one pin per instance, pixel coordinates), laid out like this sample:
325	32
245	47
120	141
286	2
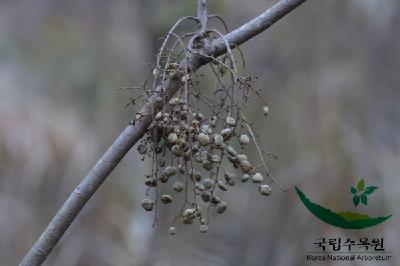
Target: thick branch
96	176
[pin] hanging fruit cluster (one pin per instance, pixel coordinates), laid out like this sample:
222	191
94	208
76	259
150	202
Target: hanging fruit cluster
198	142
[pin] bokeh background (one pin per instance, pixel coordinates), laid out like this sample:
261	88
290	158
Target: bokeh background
330	74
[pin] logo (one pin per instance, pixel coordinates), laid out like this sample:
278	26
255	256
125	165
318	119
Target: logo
346	219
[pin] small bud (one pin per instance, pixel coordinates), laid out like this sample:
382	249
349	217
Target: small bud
147	204
257	178
165	198
265	190
221	207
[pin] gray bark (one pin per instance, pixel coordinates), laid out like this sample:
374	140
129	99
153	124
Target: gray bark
133	132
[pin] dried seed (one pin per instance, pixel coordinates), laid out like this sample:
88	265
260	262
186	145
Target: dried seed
226	132
257	178
170	171
215	200
218	140
245	166
207	165
265	110
163	178
172	230
178	186
172	138
207	182
205	196
244	139
189	214
215	158
147	204
203	139
222	186
165	198
200	187
221	207
203	228
213	121
231	151
244	178
265	190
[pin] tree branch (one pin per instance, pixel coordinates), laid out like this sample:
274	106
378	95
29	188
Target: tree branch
133	132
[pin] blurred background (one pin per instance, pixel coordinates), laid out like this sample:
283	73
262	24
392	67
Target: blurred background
330	74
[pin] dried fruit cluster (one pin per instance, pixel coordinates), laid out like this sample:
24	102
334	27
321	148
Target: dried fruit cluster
188	150
197	141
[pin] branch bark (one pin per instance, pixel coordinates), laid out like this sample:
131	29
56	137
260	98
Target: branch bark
133	132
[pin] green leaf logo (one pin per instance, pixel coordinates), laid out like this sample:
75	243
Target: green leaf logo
360	194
